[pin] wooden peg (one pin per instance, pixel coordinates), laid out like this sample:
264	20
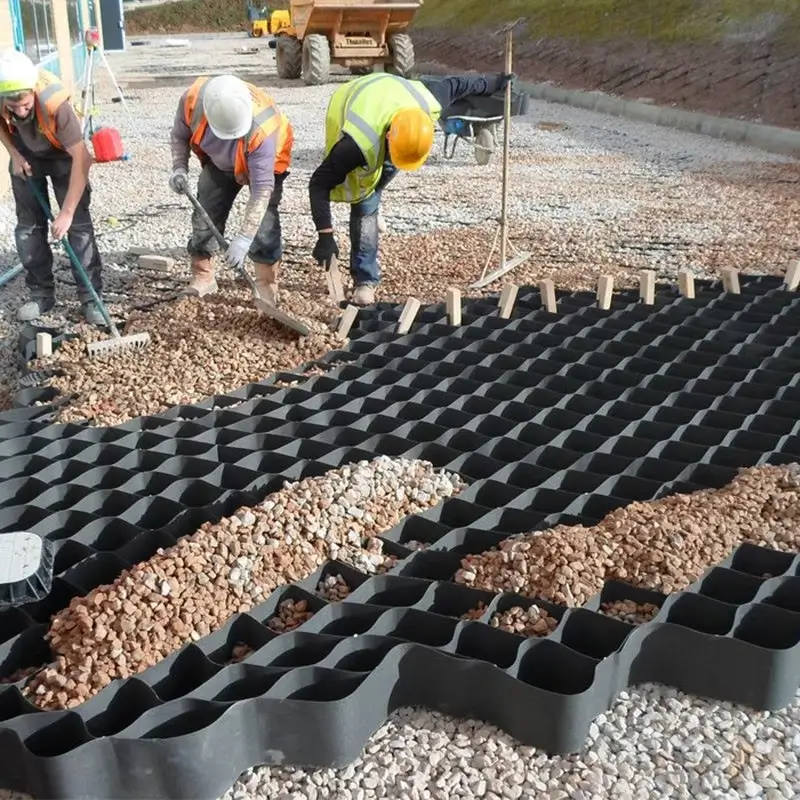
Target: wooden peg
605	291
44	345
548	292
346	322
647	287
686	284
407	315
792	280
334	280
453	303
507	299
730	281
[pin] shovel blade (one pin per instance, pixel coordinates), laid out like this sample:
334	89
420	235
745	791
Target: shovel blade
279	316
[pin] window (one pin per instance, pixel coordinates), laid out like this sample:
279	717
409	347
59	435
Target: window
74	17
38	30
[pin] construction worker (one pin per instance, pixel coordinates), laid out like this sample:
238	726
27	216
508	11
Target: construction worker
240	137
42	133
376	125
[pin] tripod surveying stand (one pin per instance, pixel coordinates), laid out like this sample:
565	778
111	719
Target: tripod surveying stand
94	50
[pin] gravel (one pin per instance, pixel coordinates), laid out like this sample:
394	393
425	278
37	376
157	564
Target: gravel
589	194
532	621
189	590
662	545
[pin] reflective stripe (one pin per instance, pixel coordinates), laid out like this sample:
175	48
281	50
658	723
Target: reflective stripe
197	111
364	127
48	92
264	115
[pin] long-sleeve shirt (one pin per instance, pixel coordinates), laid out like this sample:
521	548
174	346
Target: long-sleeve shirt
346	156
222	153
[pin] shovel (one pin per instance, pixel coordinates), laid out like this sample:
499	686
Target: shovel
262	305
117	344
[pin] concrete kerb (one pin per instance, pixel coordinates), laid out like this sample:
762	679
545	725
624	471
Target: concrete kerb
764	137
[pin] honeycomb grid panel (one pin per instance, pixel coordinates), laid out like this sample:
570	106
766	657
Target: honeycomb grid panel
550	419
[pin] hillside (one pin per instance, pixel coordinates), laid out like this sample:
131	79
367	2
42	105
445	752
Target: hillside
190	16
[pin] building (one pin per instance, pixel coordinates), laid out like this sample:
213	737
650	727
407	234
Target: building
51	32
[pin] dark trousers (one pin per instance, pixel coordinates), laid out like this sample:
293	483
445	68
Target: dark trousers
32	231
364	265
217	191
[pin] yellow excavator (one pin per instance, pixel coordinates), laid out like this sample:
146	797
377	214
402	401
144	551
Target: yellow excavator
264	21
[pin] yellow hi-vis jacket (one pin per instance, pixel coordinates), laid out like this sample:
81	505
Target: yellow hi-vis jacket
363	109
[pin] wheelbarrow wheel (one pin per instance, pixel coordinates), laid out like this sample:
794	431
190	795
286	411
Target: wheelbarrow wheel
484	146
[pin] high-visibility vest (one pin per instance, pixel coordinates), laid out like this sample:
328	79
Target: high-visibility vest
50	94
363	109
267	121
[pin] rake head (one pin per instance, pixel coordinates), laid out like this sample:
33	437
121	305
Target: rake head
118	345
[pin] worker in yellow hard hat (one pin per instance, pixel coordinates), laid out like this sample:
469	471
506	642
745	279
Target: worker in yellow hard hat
376	125
42	134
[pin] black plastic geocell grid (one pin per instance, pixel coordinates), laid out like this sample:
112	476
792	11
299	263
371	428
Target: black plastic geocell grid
550	417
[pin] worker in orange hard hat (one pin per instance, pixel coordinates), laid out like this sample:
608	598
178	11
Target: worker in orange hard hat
376	125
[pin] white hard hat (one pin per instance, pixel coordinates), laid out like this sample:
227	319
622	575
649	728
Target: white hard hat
17	72
228	107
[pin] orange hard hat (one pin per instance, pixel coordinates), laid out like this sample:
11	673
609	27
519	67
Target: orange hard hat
410	138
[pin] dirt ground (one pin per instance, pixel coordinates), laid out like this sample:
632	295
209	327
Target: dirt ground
754	80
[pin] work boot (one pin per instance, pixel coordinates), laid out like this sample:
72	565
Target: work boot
364	295
267	281
203	281
34	309
91	313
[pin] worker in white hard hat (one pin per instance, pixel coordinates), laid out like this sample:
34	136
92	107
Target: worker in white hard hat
240	138
42	133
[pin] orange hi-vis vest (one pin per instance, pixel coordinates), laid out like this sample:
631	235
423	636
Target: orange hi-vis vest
50	94
267	121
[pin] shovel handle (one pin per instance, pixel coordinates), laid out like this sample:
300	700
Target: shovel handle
204	214
76	262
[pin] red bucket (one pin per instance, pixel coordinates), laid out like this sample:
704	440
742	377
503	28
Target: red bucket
107	145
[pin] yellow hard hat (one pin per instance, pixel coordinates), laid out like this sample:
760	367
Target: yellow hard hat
410	138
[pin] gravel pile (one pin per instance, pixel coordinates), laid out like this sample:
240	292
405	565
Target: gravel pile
198	348
532	621
664	544
590	194
334	588
188	591
291	614
628	611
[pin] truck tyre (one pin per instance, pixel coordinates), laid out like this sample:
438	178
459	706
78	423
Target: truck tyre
316	60
402	50
288	57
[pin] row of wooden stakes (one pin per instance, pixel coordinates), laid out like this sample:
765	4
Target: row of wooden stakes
605	292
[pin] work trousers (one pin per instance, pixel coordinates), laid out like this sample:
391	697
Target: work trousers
33	228
364	266
217	191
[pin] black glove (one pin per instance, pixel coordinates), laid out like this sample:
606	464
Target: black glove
503	79
325	249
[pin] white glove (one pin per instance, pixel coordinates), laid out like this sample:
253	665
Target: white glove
237	250
179	180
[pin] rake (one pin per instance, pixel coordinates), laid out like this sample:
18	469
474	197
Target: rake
262	305
117	344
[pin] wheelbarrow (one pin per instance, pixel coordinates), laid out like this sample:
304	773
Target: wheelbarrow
476	121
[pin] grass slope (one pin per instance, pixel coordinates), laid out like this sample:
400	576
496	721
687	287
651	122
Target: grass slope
588	20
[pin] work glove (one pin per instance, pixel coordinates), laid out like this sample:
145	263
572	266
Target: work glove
325	249
179	181
237	250
503	79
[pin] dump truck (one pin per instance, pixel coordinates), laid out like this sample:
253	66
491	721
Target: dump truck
364	35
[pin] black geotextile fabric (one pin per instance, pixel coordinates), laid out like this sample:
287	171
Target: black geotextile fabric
551	418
